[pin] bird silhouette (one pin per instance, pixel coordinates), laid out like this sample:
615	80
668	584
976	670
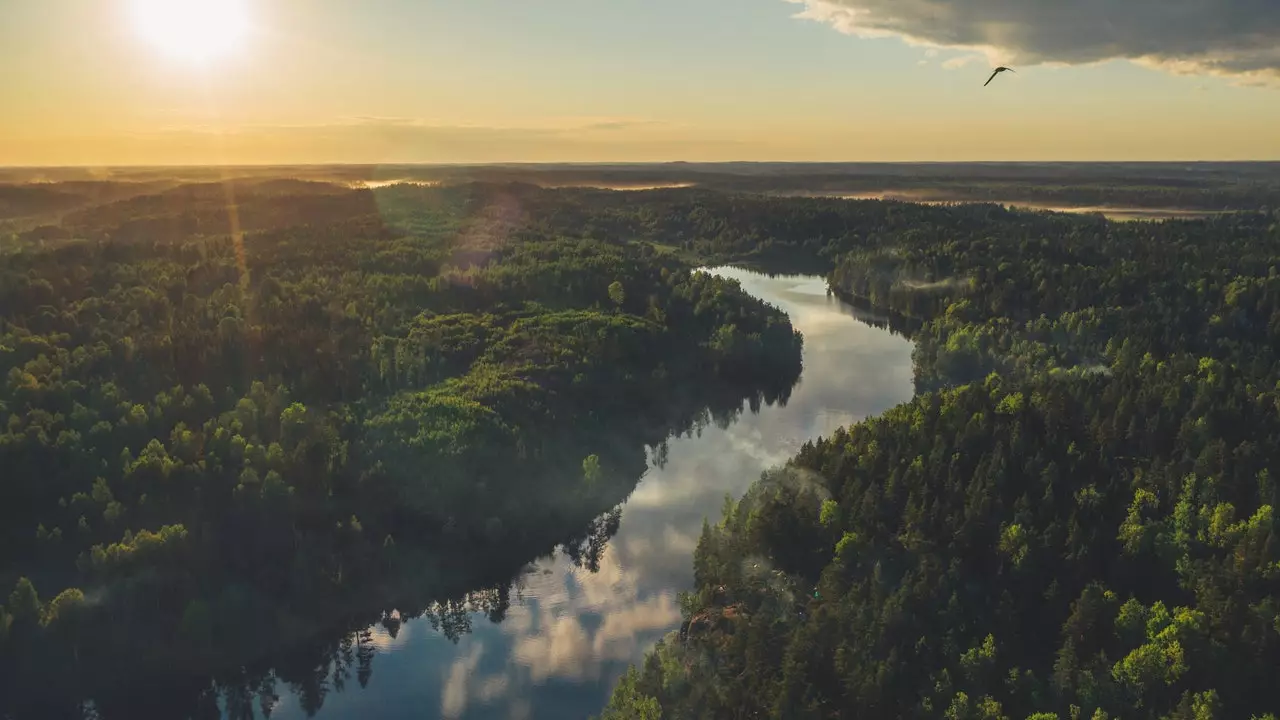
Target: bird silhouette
997	72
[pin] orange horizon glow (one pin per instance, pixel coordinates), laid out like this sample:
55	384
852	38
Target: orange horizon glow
301	82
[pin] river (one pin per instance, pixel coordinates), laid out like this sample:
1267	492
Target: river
570	633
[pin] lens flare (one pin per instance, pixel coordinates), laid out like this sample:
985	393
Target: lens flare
192	30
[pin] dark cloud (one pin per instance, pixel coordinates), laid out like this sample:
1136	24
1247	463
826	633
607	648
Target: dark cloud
1225	37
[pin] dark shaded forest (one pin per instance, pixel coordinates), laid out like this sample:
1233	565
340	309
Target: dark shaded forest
248	418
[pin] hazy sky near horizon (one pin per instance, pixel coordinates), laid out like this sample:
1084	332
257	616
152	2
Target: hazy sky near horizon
395	81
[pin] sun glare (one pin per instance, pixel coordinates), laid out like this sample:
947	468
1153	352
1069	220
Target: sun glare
193	30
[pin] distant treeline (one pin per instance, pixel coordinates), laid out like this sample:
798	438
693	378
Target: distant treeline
27	193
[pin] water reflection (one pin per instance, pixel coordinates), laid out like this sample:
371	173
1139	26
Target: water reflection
576	620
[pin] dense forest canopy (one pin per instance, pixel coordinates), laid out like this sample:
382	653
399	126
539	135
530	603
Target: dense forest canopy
239	412
232	424
1075	519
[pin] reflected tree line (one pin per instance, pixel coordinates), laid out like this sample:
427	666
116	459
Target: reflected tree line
338	655
879	317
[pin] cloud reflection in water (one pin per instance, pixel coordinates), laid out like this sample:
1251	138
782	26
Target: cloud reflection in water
571	633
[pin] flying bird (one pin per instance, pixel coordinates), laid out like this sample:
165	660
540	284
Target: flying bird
997	72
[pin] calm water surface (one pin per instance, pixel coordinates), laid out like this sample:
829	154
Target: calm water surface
572	633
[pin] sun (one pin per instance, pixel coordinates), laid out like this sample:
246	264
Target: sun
192	30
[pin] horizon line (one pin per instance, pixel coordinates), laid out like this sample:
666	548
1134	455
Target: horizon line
628	163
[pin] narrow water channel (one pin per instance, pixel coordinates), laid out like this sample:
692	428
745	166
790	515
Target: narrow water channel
570	633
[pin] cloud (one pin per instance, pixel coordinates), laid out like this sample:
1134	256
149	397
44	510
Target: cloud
550	639
551	125
621	124
1238	38
956	63
379	140
453	701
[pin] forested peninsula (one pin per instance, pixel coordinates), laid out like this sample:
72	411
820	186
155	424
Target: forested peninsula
233	424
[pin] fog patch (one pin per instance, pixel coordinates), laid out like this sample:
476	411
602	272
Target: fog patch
954	284
1097	369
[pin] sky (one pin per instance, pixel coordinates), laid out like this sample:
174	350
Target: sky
136	82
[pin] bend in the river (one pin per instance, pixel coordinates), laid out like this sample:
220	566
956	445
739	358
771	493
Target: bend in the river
571	630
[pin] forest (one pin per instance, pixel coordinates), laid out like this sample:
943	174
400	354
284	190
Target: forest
238	412
234	427
1197	186
1073	519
